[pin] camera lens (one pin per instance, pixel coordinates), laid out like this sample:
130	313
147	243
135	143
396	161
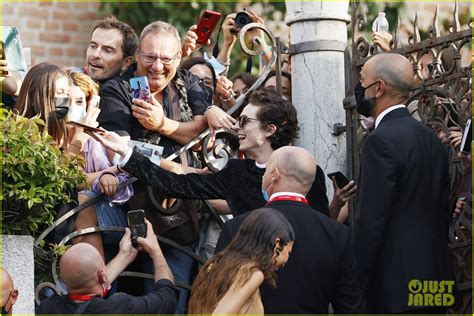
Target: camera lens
242	19
205	29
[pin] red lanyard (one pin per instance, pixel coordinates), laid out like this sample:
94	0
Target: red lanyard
80	298
290	198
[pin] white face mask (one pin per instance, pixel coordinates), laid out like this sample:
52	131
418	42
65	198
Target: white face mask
76	113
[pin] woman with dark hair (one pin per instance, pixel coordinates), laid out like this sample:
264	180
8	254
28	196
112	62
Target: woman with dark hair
45	93
270	84
229	282
199	67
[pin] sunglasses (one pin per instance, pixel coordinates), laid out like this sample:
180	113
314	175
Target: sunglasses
244	119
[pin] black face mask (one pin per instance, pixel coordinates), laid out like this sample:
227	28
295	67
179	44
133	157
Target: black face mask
4	308
62	107
207	91
364	106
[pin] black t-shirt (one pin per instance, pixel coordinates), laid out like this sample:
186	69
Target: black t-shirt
239	183
162	300
116	100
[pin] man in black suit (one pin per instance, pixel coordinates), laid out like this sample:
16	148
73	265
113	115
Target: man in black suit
401	222
321	267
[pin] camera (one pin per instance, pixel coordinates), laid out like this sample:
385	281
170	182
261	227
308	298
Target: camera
242	18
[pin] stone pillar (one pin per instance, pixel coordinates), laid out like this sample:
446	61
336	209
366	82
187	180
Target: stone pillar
318	39
18	260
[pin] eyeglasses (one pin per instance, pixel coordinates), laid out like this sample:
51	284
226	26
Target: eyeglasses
244	119
150	59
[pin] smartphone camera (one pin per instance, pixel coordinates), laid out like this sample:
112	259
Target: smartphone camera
206	16
137	224
242	18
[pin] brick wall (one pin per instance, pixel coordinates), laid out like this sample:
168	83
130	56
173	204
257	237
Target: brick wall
57	32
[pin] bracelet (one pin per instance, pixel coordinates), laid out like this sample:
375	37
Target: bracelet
227	64
107	172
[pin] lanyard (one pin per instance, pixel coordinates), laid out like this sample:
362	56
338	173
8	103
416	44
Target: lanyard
290	198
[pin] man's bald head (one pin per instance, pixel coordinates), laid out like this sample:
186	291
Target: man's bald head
395	70
80	265
7	282
9	293
296	166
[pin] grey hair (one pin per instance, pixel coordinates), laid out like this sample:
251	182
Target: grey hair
160	27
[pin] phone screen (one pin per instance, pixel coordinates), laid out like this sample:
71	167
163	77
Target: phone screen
140	89
137	224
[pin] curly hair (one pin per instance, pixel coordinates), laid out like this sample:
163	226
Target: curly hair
250	250
85	83
277	111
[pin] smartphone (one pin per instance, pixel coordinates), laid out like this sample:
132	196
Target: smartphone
206	26
86	127
341	179
137	225
140	89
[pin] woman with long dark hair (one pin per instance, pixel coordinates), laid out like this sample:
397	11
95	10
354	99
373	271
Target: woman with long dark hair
229	282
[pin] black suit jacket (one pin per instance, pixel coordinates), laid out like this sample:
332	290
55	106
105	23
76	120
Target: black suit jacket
401	224
320	269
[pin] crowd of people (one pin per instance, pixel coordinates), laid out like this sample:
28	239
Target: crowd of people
287	249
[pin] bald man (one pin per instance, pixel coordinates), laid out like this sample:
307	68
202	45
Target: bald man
402	215
321	267
88	280
9	293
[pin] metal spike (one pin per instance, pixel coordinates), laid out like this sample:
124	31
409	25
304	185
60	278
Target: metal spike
457	24
435	29
416	30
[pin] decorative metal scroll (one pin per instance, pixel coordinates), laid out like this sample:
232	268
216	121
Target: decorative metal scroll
216	154
442	100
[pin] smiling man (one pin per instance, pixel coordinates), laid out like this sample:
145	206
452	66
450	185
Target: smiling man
111	49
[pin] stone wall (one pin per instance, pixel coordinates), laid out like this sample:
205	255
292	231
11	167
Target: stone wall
57	32
18	260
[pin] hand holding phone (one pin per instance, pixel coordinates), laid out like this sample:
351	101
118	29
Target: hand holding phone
206	26
140	89
341	179
137	224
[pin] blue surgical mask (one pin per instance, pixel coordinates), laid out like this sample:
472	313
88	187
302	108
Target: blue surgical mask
265	194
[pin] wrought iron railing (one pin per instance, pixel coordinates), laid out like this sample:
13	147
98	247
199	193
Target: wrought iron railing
215	156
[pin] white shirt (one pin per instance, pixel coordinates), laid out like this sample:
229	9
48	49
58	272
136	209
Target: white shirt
386	111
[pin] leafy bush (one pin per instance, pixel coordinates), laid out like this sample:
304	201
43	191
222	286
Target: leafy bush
36	176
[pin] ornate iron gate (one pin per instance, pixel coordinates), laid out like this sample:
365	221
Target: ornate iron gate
442	101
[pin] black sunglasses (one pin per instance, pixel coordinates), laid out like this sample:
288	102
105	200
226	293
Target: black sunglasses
244	119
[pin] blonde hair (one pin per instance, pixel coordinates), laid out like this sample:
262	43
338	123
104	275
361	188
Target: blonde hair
85	83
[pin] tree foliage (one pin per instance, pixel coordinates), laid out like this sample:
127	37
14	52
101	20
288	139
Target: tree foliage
36	176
